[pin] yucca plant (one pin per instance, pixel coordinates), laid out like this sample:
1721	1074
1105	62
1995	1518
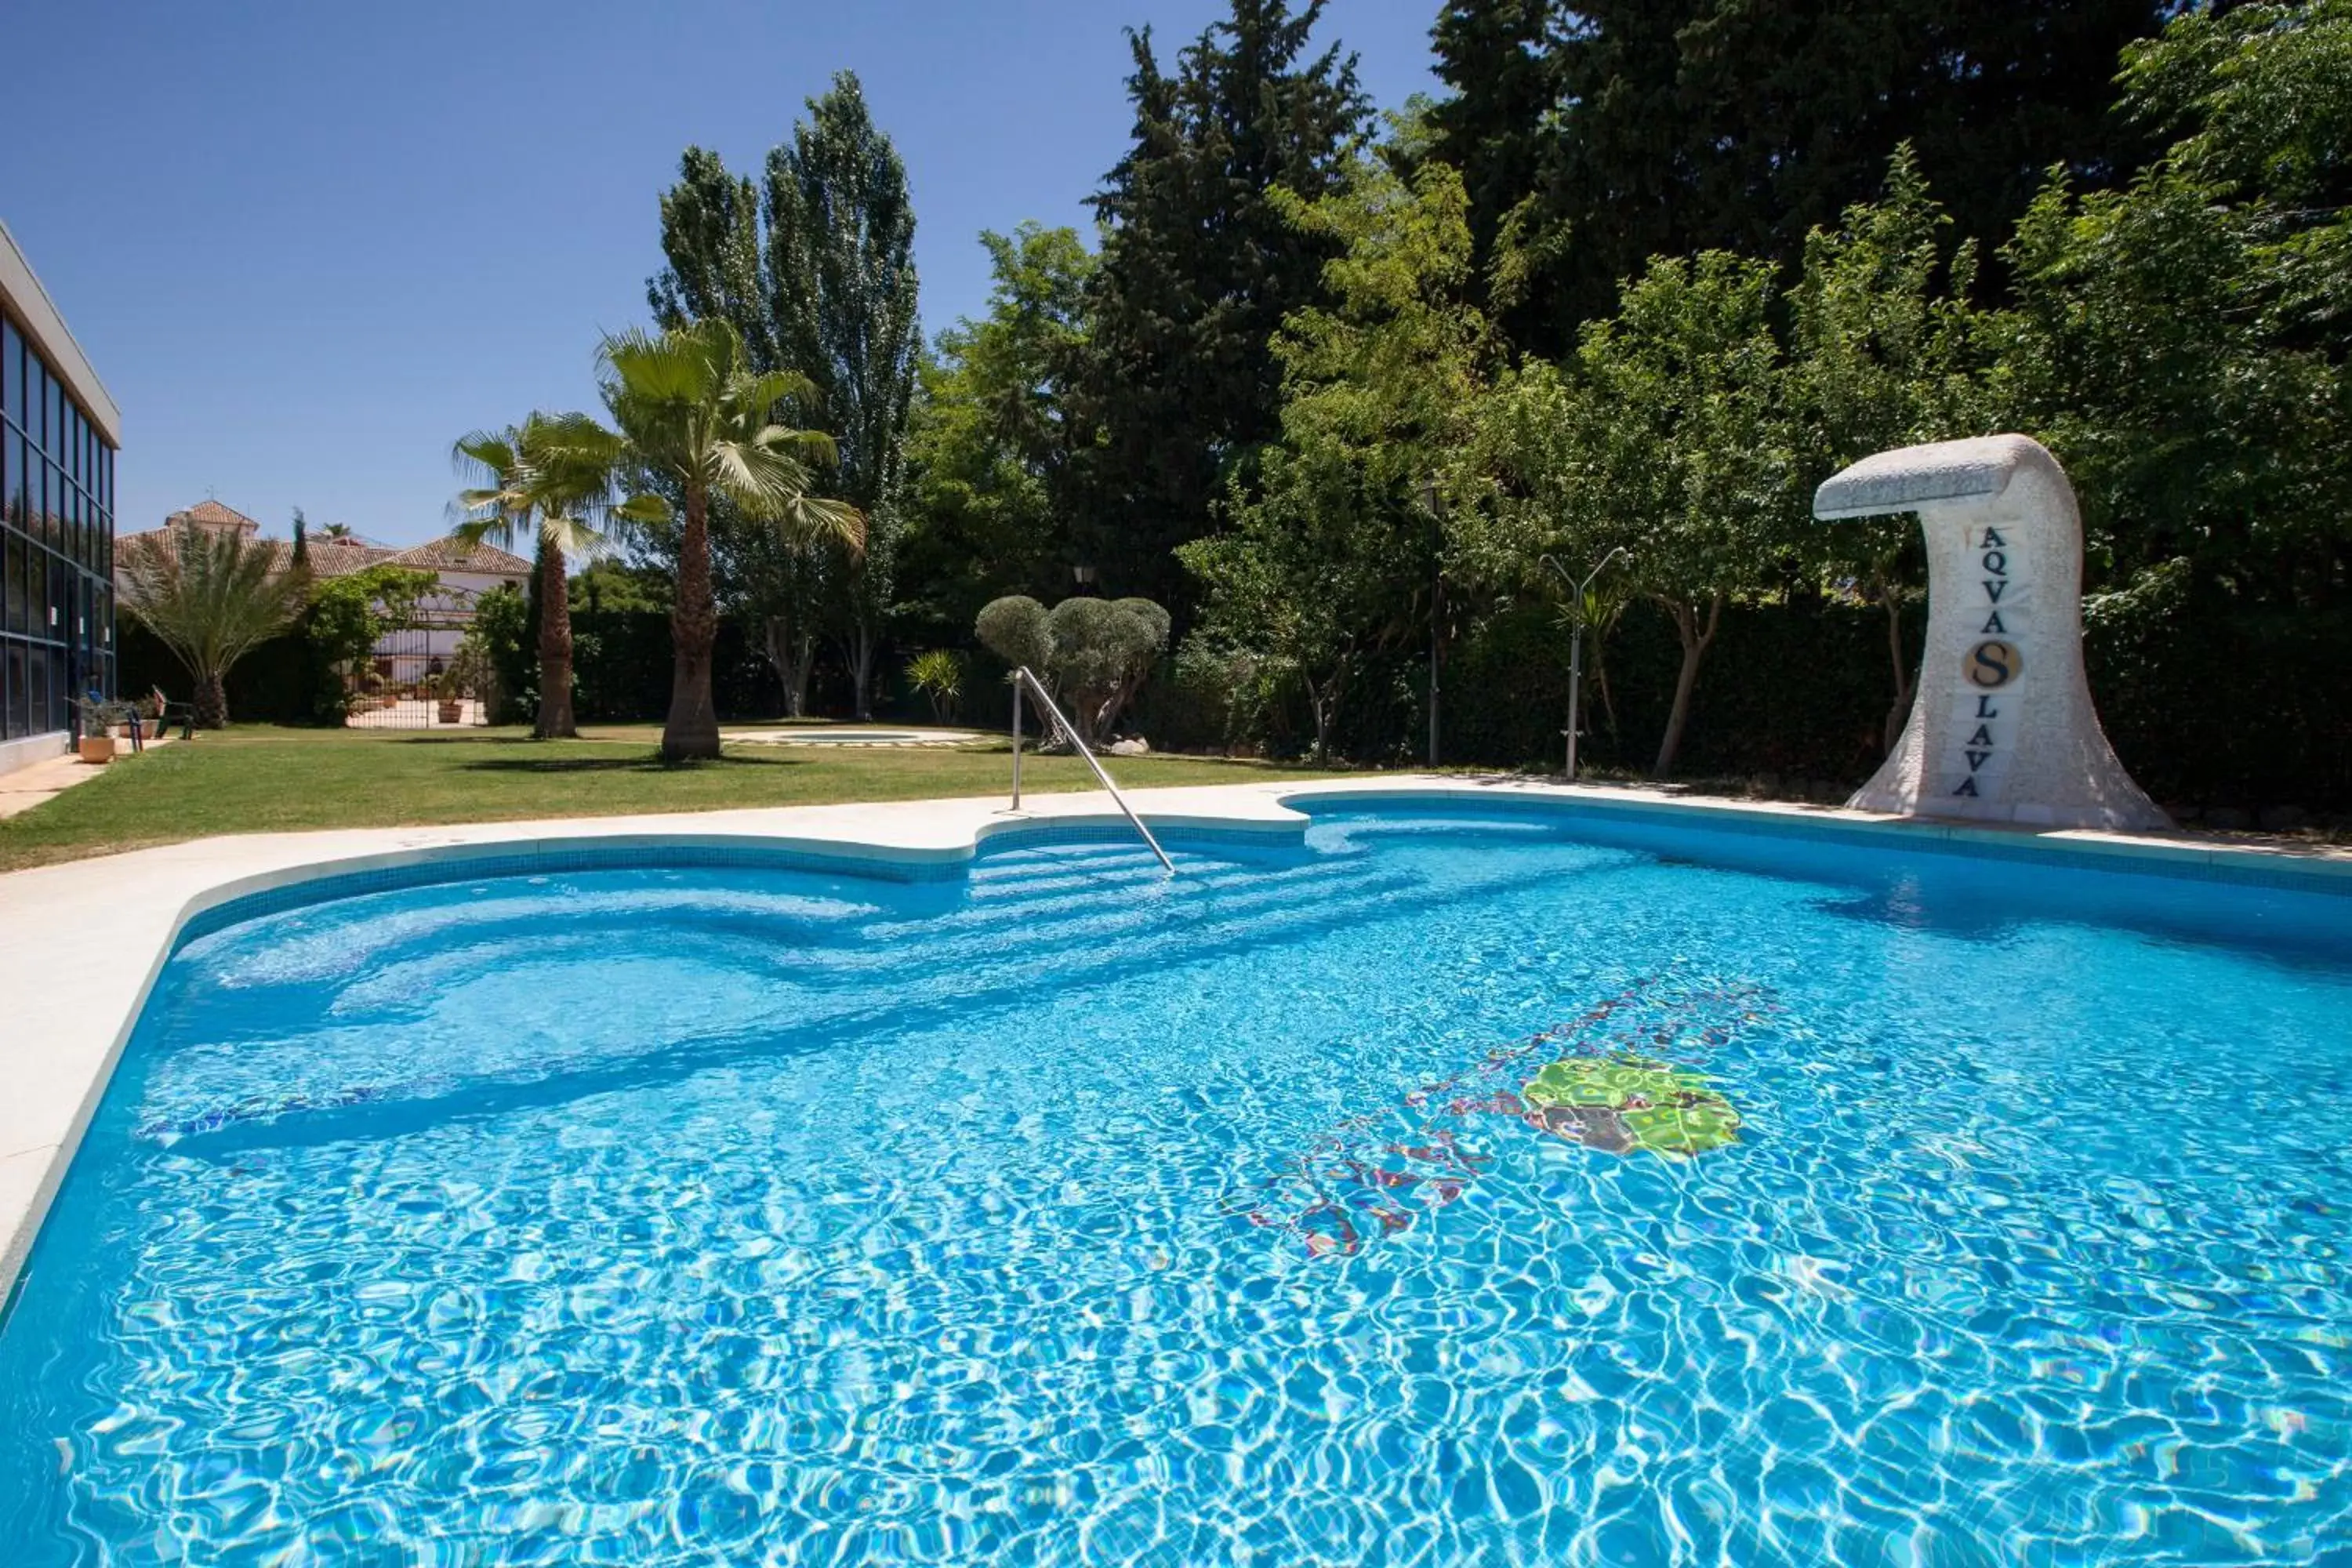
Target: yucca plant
938	676
211	598
694	413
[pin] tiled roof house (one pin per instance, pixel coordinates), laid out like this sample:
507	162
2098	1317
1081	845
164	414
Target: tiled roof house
451	558
463	572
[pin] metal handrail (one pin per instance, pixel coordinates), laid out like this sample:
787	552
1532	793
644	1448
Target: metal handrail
1021	677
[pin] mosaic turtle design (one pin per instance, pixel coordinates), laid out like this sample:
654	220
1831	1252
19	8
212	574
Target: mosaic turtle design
1595	1083
1621	1103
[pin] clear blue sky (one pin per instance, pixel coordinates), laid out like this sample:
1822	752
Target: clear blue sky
307	246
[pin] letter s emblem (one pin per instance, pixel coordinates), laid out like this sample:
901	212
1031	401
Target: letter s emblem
1993	664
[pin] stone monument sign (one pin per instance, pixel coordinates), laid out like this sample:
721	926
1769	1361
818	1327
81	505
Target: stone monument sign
2002	726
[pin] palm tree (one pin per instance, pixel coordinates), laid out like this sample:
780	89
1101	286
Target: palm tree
550	477
699	422
211	598
340	531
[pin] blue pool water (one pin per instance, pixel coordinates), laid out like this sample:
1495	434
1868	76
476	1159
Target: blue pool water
1067	1213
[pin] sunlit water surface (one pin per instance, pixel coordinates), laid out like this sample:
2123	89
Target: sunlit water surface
1069	1214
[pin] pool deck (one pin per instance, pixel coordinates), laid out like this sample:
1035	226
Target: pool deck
82	942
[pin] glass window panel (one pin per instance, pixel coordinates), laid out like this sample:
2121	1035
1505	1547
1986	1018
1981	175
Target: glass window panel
20	473
37	689
20	720
12	372
19	597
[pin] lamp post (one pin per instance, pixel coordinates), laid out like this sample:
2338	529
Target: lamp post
1576	643
1435	503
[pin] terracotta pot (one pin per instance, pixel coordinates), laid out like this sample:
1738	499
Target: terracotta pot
453	712
98	748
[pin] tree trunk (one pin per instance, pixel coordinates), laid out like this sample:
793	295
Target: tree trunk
691	733
793	658
865	641
1694	643
1900	708
554	721
1325	700
211	701
1608	700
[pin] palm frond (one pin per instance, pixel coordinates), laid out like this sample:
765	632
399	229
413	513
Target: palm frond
211	598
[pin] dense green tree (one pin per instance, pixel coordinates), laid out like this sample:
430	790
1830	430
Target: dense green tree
1302	585
1199	266
697	420
1667	436
1334	553
609	586
2183	343
991	445
1886	351
349	615
1497	60
1685	125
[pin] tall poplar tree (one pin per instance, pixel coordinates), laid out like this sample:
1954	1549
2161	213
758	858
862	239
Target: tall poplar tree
840	272
1180	385
814	267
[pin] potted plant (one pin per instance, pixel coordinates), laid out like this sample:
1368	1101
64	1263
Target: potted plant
468	671
97	744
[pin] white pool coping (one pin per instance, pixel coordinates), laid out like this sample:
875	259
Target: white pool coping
82	942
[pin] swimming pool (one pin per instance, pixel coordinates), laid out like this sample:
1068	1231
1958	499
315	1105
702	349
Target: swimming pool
1459	1186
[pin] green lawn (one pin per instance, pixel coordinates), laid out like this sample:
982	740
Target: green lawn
259	779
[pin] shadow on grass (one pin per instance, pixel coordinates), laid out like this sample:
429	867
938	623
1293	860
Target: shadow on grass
648	763
484	738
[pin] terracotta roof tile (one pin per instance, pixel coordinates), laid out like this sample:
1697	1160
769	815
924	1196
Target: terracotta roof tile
210	513
329	557
451	554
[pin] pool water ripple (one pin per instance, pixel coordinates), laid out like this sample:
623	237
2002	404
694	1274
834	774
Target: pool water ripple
1069	1214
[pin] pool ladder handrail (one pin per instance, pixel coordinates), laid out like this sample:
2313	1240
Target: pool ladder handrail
1021	677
